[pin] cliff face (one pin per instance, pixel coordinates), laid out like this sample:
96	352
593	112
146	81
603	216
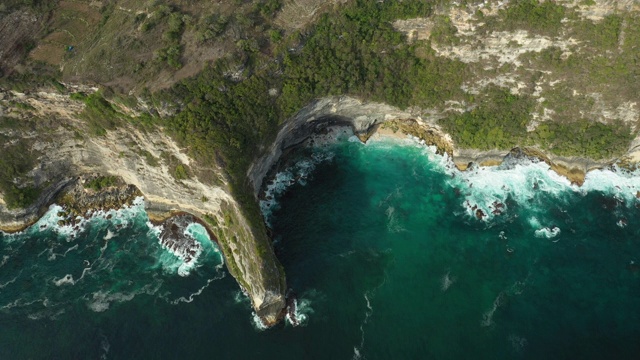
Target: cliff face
152	162
148	162
361	116
365	118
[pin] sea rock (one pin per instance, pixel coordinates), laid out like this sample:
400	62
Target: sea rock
173	238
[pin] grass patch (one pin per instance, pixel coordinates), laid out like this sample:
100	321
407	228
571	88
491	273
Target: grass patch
180	172
101	182
498	122
543	18
99	113
148	157
16	161
584	138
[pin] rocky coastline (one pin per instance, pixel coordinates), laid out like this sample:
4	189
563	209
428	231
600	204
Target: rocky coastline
368	120
244	243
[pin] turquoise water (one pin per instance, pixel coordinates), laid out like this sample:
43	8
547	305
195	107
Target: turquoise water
383	247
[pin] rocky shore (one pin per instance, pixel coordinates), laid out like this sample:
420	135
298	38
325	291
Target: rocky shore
368	120
70	163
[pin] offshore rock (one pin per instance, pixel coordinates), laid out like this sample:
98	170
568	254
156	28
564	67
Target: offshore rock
66	157
173	238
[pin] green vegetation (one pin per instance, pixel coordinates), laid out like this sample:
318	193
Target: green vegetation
40	75
16	161
227	114
180	172
584	138
211	26
358	52
172	51
533	15
99	113
101	182
22	106
39	6
148	157
498	122
268	8
604	34
444	32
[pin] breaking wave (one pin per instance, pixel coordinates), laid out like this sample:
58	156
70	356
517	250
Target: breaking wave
298	173
485	191
105	258
489	191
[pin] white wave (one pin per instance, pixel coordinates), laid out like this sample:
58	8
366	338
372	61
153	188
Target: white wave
240	297
517	342
622	183
65	280
357	349
51	219
487	317
20	302
53	256
257	322
192	296
48	314
548	233
2	286
296	174
184	260
105	347
302	311
4	260
101	300
446	281
154	230
109	235
487	189
393	224
200	234
85	270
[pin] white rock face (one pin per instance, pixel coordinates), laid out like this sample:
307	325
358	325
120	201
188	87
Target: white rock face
361	116
140	158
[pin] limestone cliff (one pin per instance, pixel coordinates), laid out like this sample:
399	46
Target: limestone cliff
365	119
148	160
151	162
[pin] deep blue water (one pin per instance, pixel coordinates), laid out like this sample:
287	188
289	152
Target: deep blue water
381	243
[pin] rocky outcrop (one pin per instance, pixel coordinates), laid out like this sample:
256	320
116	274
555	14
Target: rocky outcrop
174	240
144	161
361	116
366	119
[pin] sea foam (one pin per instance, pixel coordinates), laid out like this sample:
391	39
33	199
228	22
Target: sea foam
298	173
523	181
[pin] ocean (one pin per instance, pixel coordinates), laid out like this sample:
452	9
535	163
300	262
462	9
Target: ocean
391	251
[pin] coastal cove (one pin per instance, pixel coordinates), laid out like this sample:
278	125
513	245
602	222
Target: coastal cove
319	179
368	121
354	226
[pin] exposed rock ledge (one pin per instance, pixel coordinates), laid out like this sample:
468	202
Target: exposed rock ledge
366	118
145	163
361	116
